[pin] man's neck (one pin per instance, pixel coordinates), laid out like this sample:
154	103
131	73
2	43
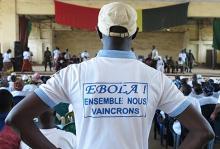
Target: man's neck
116	44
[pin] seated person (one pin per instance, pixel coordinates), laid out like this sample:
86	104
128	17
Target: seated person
18	94
4	83
33	84
61	139
8	138
197	91
18	86
186	90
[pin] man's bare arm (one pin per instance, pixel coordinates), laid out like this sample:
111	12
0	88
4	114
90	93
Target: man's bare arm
200	132
21	118
215	112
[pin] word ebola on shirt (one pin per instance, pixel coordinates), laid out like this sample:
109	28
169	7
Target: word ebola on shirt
125	99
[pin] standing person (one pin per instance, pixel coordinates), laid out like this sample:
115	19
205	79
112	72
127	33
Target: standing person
27	66
7	64
160	64
1	61
170	65
191	59
84	55
56	54
47	59
67	56
154	56
165	59
180	65
118	99
182	60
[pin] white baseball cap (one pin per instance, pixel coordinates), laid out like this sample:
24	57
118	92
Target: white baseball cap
117	14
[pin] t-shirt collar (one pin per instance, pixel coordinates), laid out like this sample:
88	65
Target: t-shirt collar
116	54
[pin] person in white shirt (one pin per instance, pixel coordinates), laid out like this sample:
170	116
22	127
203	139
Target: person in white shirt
114	96
160	64
18	86
154	56
154	53
186	90
60	138
27	66
182	54
35	82
207	98
7	64
67	56
11	79
84	55
56	54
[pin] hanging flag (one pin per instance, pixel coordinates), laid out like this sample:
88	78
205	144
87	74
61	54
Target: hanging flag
216	34
164	17
76	16
148	19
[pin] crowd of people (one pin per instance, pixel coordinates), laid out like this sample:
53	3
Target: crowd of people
184	62
13	89
55	59
202	92
114	96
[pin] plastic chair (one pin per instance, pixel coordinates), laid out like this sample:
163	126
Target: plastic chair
159	125
176	136
70	127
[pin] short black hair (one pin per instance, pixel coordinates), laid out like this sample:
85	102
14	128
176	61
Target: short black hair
186	89
197	88
216	87
6	102
13	78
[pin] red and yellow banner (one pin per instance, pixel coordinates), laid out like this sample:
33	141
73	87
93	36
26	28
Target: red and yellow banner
76	16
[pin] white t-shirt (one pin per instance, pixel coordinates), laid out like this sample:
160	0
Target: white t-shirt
85	55
28	88
208	100
216	94
26	55
154	54
195	103
114	98
18	93
183	56
67	56
56	53
59	138
7	57
160	65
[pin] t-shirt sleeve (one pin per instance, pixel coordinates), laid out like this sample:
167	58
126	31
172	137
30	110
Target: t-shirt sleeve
56	89
172	100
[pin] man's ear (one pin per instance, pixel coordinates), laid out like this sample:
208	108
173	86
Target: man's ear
135	34
98	32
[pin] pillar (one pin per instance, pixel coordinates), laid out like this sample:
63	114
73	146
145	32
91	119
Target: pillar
9	26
